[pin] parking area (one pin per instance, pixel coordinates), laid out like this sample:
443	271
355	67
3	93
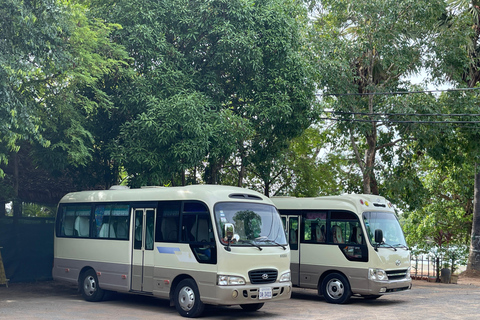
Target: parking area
53	300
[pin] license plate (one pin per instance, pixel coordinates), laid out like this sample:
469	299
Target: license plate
265	293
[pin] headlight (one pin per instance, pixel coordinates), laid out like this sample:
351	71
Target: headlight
377	274
285	277
230	280
408	272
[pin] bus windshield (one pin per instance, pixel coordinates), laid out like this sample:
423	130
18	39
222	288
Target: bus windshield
254	224
388	223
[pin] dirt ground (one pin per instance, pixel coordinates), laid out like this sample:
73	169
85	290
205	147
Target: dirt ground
469	278
51	300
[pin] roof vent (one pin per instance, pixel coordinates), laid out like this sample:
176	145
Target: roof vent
244	196
118	187
379	205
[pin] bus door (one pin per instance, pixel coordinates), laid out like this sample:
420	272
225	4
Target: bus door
143	253
292	228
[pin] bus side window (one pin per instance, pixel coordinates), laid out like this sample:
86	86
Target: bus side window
168	216
347	233
314	226
111	221
75	221
293	232
202	229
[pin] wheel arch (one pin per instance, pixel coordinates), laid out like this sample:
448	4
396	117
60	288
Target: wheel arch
80	275
325	274
175	282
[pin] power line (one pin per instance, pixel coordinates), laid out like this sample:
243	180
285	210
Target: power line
395	92
401	121
409	114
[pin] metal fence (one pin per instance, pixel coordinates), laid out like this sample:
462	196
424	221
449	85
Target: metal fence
425	267
429	267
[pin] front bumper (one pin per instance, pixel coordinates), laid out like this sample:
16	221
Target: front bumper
247	294
383	287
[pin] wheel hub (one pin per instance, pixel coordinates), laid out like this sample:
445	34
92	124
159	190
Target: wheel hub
89	286
186	298
335	289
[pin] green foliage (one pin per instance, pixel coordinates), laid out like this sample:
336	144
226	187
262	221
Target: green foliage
33	51
306	172
171	136
53	63
247	60
36	210
445	218
367	47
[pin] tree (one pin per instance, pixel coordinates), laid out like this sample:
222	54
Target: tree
367	48
246	61
445	218
308	170
53	62
456	59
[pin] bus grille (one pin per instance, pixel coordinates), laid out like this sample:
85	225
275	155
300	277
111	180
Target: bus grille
263	276
397	274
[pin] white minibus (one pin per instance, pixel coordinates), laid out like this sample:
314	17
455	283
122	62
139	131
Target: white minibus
194	245
345	245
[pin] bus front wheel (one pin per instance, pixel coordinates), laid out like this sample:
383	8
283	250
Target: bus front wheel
335	288
187	299
89	287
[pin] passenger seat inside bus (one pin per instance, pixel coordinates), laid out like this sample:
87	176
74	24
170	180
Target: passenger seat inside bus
320	233
169	229
82	226
337	234
356	236
68	226
203	231
107	230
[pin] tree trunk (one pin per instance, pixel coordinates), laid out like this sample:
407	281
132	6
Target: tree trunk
267	188
368	173
17	203
241	172
474	256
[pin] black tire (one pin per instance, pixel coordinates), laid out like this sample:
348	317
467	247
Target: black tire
335	288
372	296
187	299
252	307
90	288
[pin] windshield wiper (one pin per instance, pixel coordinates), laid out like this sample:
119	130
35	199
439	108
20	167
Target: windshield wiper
265	239
399	245
388	245
250	243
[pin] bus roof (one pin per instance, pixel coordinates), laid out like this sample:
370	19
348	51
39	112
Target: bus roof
207	193
354	202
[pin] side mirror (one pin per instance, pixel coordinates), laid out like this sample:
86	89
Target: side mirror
229	230
378	236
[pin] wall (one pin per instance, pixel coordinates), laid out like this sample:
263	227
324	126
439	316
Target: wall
27	248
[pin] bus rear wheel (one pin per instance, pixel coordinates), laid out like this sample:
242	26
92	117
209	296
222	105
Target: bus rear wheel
335	288
89	287
252	307
187	299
